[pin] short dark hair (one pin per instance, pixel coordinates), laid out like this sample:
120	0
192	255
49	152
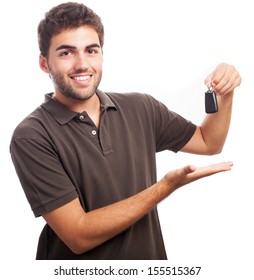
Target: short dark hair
66	16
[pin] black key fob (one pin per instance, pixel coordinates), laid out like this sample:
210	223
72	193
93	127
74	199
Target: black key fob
211	105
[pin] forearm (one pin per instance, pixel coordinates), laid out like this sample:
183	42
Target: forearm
87	230
82	231
109	221
215	127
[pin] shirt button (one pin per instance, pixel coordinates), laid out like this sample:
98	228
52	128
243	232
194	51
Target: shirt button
81	117
94	132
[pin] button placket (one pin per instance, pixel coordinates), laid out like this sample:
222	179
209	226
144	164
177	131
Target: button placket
93	133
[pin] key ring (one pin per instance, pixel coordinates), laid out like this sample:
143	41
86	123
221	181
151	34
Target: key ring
210	87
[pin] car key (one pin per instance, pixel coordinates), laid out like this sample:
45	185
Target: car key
211	105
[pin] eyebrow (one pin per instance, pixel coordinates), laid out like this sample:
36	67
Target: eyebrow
73	47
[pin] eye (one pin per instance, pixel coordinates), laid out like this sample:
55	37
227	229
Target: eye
92	51
65	53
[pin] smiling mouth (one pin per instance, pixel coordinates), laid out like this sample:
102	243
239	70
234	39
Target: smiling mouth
81	78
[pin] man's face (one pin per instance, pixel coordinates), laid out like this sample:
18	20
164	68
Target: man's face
75	63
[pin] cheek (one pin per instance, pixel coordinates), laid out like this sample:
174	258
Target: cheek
62	68
96	63
97	66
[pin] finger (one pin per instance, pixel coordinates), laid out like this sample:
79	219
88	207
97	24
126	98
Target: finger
209	79
228	83
223	79
215	77
215	168
226	165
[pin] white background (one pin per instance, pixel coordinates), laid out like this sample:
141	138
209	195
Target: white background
166	49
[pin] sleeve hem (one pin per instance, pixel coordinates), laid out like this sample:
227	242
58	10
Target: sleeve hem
52	205
190	134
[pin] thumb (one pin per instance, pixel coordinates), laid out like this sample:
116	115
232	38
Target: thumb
209	80
188	169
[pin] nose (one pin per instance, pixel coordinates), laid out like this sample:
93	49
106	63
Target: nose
81	61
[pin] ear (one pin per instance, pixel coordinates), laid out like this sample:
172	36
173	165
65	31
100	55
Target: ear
43	64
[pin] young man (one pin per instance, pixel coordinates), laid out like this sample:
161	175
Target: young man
86	158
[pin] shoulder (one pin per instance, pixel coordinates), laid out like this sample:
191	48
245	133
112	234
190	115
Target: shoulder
128	96
30	126
135	100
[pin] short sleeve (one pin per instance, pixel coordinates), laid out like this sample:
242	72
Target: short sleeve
172	131
45	183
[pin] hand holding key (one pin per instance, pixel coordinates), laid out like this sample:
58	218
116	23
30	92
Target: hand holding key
222	81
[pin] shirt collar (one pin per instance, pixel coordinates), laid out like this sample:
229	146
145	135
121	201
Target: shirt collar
63	115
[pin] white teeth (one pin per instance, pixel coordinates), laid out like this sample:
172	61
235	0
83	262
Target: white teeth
81	78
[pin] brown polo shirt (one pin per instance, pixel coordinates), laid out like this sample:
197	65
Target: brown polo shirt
60	155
